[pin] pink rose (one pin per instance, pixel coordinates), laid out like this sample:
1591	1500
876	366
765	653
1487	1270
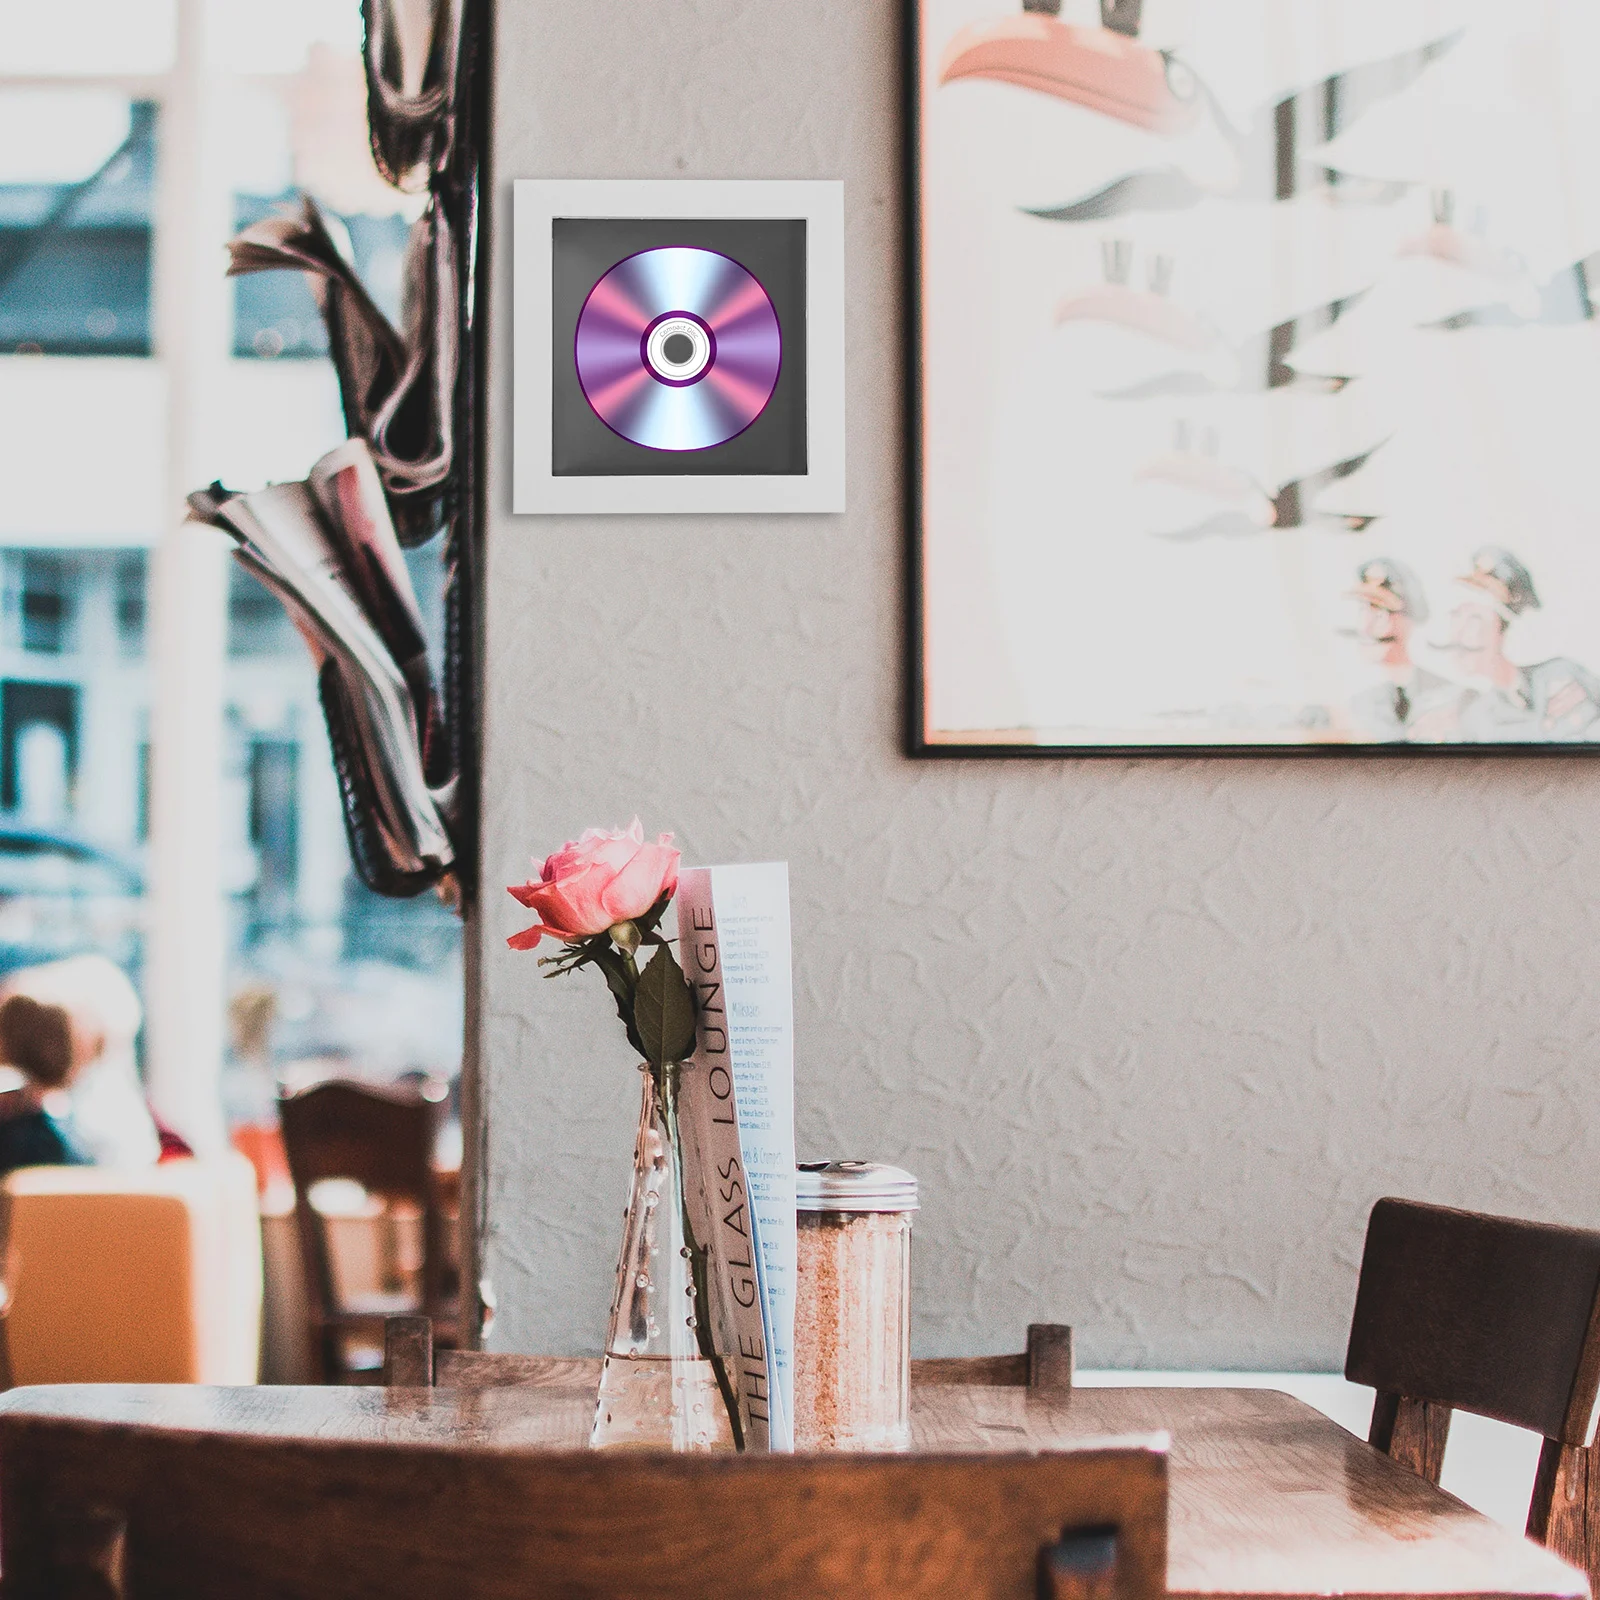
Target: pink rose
601	879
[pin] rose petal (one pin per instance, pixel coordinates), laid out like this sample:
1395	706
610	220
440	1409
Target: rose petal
576	903
547	901
613	854
534	895
568	857
609	845
528	938
640	884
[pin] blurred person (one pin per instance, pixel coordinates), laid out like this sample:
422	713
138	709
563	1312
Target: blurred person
70	1028
38	1041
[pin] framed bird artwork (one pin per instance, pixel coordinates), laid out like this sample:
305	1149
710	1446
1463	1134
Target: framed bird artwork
1255	368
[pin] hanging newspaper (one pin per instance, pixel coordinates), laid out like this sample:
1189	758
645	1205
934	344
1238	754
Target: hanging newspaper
328	551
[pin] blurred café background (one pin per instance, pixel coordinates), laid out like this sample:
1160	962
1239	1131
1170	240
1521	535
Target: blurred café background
166	793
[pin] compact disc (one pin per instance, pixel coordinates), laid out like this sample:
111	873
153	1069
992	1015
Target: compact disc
678	349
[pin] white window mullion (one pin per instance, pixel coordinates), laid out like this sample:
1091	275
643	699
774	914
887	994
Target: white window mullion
187	932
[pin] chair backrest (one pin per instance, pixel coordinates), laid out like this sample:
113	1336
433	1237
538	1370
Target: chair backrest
7	1375
121	1509
1459	1311
408	1359
147	1275
1046	1363
1482	1314
383	1139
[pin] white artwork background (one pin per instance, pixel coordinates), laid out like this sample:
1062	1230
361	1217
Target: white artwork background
1056	612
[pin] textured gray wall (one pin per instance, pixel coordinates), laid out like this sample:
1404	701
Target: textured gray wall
1153	1035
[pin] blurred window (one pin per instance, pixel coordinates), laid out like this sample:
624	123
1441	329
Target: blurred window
38	750
131	572
44	605
89	36
330	971
274	822
72	718
77	180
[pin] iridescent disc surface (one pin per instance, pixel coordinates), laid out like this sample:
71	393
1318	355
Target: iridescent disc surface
678	349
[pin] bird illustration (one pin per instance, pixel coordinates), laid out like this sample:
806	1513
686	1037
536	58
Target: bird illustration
1205	362
1471	250
1239	505
1562	301
1108	70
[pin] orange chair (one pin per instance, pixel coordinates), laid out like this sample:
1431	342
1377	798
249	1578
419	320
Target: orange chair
147	1275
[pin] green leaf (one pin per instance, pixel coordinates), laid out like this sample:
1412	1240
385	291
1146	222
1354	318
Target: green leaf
664	1011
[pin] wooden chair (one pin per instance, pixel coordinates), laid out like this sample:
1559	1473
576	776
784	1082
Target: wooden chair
1457	1311
116	1510
384	1140
1046	1363
408	1358
7	1271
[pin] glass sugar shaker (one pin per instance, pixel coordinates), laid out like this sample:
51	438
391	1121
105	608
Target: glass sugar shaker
852	1325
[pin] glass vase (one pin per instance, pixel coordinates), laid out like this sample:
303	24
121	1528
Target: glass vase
664	1384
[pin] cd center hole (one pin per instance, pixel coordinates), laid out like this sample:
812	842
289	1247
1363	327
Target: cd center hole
677	348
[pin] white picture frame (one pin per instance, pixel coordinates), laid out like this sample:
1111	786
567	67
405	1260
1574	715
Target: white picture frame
537	204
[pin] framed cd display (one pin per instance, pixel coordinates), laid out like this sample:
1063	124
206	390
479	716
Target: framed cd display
679	346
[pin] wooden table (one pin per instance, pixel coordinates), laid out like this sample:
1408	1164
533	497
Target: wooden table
1269	1497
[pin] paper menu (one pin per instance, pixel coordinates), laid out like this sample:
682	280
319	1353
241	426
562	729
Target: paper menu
752	907
738	1125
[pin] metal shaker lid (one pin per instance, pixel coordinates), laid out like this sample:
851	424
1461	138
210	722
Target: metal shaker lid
853	1186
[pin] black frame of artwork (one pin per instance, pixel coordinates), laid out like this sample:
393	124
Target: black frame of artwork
917	743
